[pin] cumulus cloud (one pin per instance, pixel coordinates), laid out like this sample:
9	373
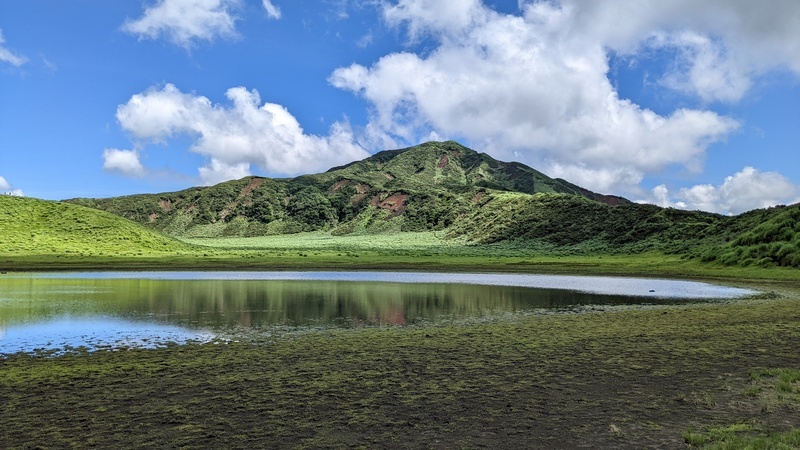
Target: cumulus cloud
536	83
721	45
8	56
238	135
124	162
4	184
745	190
603	179
217	171
185	21
7	189
272	10
433	16
703	68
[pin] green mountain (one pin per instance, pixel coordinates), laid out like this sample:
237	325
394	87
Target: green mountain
764	237
426	187
38	227
446	186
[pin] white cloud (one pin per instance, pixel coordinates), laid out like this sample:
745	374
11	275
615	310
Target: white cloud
602	179
185	21
745	190
49	64
703	68
659	196
272	10
722	45
125	162
365	40
536	84
433	16
237	136
217	171
8	56
7	189
751	189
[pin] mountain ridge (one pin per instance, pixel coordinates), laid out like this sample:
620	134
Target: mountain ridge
425	187
469	196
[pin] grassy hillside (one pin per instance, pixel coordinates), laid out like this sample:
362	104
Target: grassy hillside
765	237
40	235
422	188
573	225
470	197
38	227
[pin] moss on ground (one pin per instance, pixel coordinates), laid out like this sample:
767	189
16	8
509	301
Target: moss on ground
621	378
771	390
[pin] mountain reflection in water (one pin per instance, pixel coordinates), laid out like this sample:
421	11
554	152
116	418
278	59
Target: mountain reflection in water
191	302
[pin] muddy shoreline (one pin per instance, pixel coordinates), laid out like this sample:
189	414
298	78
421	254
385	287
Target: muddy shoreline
612	379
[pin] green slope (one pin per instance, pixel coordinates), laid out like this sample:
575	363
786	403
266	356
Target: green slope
426	187
570	221
575	225
449	166
446	186
764	237
39	227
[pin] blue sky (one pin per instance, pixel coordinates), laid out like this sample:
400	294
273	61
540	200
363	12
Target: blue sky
686	104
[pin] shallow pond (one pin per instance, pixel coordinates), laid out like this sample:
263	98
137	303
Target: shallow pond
52	311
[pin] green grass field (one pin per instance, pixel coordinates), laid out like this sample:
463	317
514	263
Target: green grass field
428	251
43	235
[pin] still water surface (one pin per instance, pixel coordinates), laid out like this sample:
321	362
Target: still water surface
110	309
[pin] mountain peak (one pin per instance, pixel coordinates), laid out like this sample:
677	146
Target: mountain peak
427	186
452	164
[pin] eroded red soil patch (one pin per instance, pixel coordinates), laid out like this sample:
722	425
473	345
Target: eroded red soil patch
339	185
252	186
246	191
396	204
362	190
